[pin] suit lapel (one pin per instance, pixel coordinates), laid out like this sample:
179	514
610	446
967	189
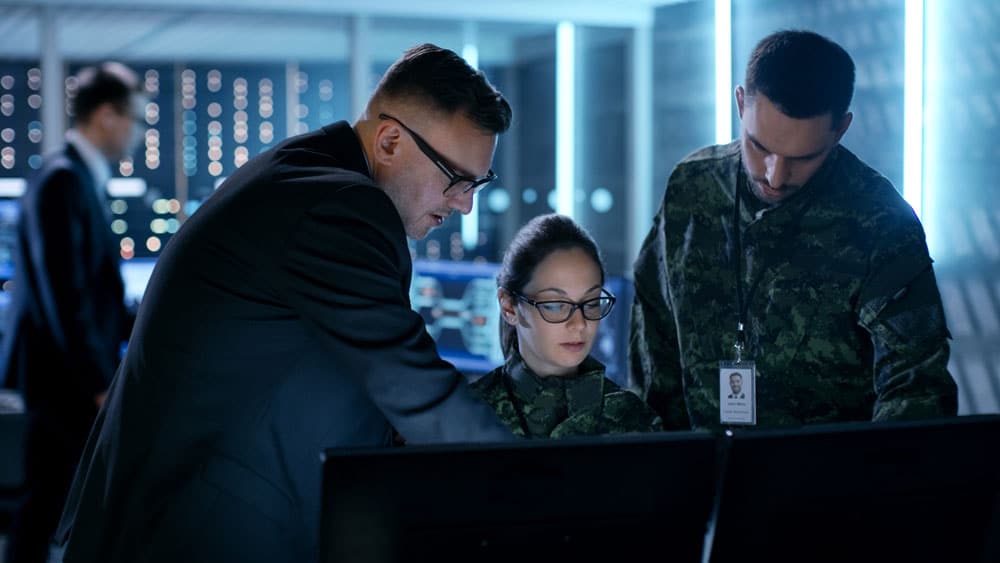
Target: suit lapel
103	242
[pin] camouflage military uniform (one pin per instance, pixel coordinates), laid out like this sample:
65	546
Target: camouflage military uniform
844	318
556	407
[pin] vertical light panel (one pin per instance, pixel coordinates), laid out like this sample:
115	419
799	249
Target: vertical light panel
53	115
641	204
565	116
723	71
291	98
913	105
470	222
470	48
939	130
361	64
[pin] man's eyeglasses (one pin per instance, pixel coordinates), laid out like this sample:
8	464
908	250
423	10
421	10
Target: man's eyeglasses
558	311
466	183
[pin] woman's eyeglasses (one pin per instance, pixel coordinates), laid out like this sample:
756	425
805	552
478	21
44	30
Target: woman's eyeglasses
559	311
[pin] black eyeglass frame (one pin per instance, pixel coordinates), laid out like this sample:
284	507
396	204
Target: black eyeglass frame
476	185
605	294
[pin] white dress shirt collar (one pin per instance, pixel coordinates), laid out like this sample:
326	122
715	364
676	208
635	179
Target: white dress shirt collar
96	163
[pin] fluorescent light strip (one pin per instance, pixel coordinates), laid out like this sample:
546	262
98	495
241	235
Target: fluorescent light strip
723	71
126	187
470	52
640	219
936	130
565	115
13	187
470	222
913	101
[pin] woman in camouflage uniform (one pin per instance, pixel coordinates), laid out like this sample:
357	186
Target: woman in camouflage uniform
549	385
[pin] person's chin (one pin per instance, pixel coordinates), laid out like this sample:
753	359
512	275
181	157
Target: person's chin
772	196
419	231
555	364
424	227
572	355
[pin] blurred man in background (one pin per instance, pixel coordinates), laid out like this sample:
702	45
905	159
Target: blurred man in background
68	318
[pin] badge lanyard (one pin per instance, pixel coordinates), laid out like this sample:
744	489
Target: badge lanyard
737	378
741	307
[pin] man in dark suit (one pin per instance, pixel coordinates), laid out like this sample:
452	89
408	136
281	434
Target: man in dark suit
68	318
277	323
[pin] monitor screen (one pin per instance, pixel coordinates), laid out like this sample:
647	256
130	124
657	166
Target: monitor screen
135	274
9	209
903	491
459	305
558	500
458	301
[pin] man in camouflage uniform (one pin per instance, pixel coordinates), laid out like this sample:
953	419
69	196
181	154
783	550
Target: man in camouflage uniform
585	404
841	310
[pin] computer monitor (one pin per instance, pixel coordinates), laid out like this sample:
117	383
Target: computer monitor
135	274
904	491
458	301
459	305
9	211
619	498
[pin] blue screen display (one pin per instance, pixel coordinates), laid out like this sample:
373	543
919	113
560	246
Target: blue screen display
135	274
458	301
8	237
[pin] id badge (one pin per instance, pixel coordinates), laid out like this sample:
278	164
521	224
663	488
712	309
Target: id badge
737	393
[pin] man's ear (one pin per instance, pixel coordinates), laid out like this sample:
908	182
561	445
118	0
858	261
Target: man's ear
507	310
740	99
104	115
387	142
845	123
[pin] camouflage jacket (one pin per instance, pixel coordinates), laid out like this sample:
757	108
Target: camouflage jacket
844	318
555	407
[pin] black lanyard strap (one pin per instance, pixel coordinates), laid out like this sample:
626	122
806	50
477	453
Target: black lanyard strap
741	307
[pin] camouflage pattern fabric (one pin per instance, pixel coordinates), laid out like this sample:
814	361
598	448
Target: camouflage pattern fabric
845	321
555	407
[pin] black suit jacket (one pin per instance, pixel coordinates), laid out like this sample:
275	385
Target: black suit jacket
277	323
67	320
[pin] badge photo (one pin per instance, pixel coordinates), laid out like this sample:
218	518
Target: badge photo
737	393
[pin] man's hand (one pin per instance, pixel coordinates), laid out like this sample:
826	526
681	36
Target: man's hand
397	439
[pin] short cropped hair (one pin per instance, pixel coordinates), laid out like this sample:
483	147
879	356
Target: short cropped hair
442	79
802	73
109	82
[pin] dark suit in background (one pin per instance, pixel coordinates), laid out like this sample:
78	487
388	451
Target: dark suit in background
62	344
277	323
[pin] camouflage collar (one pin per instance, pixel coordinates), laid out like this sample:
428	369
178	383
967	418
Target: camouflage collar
583	391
